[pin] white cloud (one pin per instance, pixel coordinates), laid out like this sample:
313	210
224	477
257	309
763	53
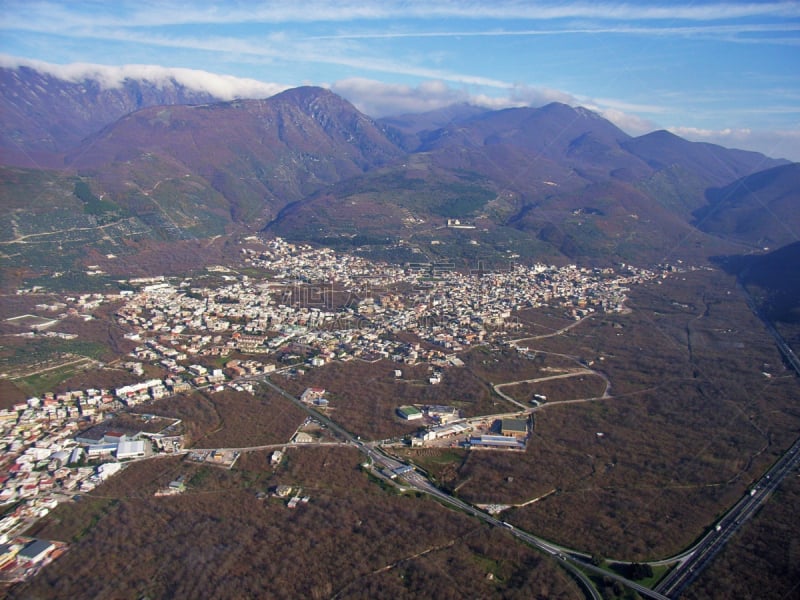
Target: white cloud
527	95
225	87
629	123
379	99
783	143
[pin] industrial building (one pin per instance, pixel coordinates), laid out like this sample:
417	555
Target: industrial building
409	413
442	431
130	449
497	441
443	414
514	427
36	551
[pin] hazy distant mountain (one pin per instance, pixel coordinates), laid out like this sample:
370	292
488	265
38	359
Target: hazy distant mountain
554	180
759	210
718	165
555	143
42	115
410	129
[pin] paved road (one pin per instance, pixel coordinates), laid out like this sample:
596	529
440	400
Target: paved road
420	483
704	551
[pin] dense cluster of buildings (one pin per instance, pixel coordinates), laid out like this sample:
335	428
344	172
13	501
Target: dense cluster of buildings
47	449
340	307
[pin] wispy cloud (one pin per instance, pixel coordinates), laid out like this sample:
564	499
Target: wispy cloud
290	50
353	43
147	13
729	32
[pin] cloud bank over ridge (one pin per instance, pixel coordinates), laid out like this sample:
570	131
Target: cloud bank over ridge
225	87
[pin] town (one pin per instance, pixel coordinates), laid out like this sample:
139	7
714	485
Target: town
312	306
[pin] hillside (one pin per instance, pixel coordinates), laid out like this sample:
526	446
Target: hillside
775	277
256	154
761	210
555	181
42	116
409	130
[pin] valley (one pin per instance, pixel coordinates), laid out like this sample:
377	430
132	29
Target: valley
241	342
686	425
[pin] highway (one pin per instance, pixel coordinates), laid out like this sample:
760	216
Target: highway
694	560
787	352
705	550
691	562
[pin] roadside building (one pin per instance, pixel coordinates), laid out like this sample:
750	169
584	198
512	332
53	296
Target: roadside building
301	437
497	441
311	394
36	551
443	414
409	413
514	427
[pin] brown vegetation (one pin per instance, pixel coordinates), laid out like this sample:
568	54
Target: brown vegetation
574	387
218	540
693	421
10	394
196	410
251	420
364	396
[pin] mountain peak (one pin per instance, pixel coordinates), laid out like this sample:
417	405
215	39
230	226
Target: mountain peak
305	92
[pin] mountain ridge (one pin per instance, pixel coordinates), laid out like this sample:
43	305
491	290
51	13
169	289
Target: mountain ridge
552	181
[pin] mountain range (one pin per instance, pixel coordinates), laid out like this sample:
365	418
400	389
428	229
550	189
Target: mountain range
165	163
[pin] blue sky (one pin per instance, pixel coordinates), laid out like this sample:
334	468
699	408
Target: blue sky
725	72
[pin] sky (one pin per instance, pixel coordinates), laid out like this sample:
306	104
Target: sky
722	72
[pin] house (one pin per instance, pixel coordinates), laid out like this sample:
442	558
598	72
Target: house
283	491
8	553
301	437
312	393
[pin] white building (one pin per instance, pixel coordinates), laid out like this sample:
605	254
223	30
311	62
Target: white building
130	449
